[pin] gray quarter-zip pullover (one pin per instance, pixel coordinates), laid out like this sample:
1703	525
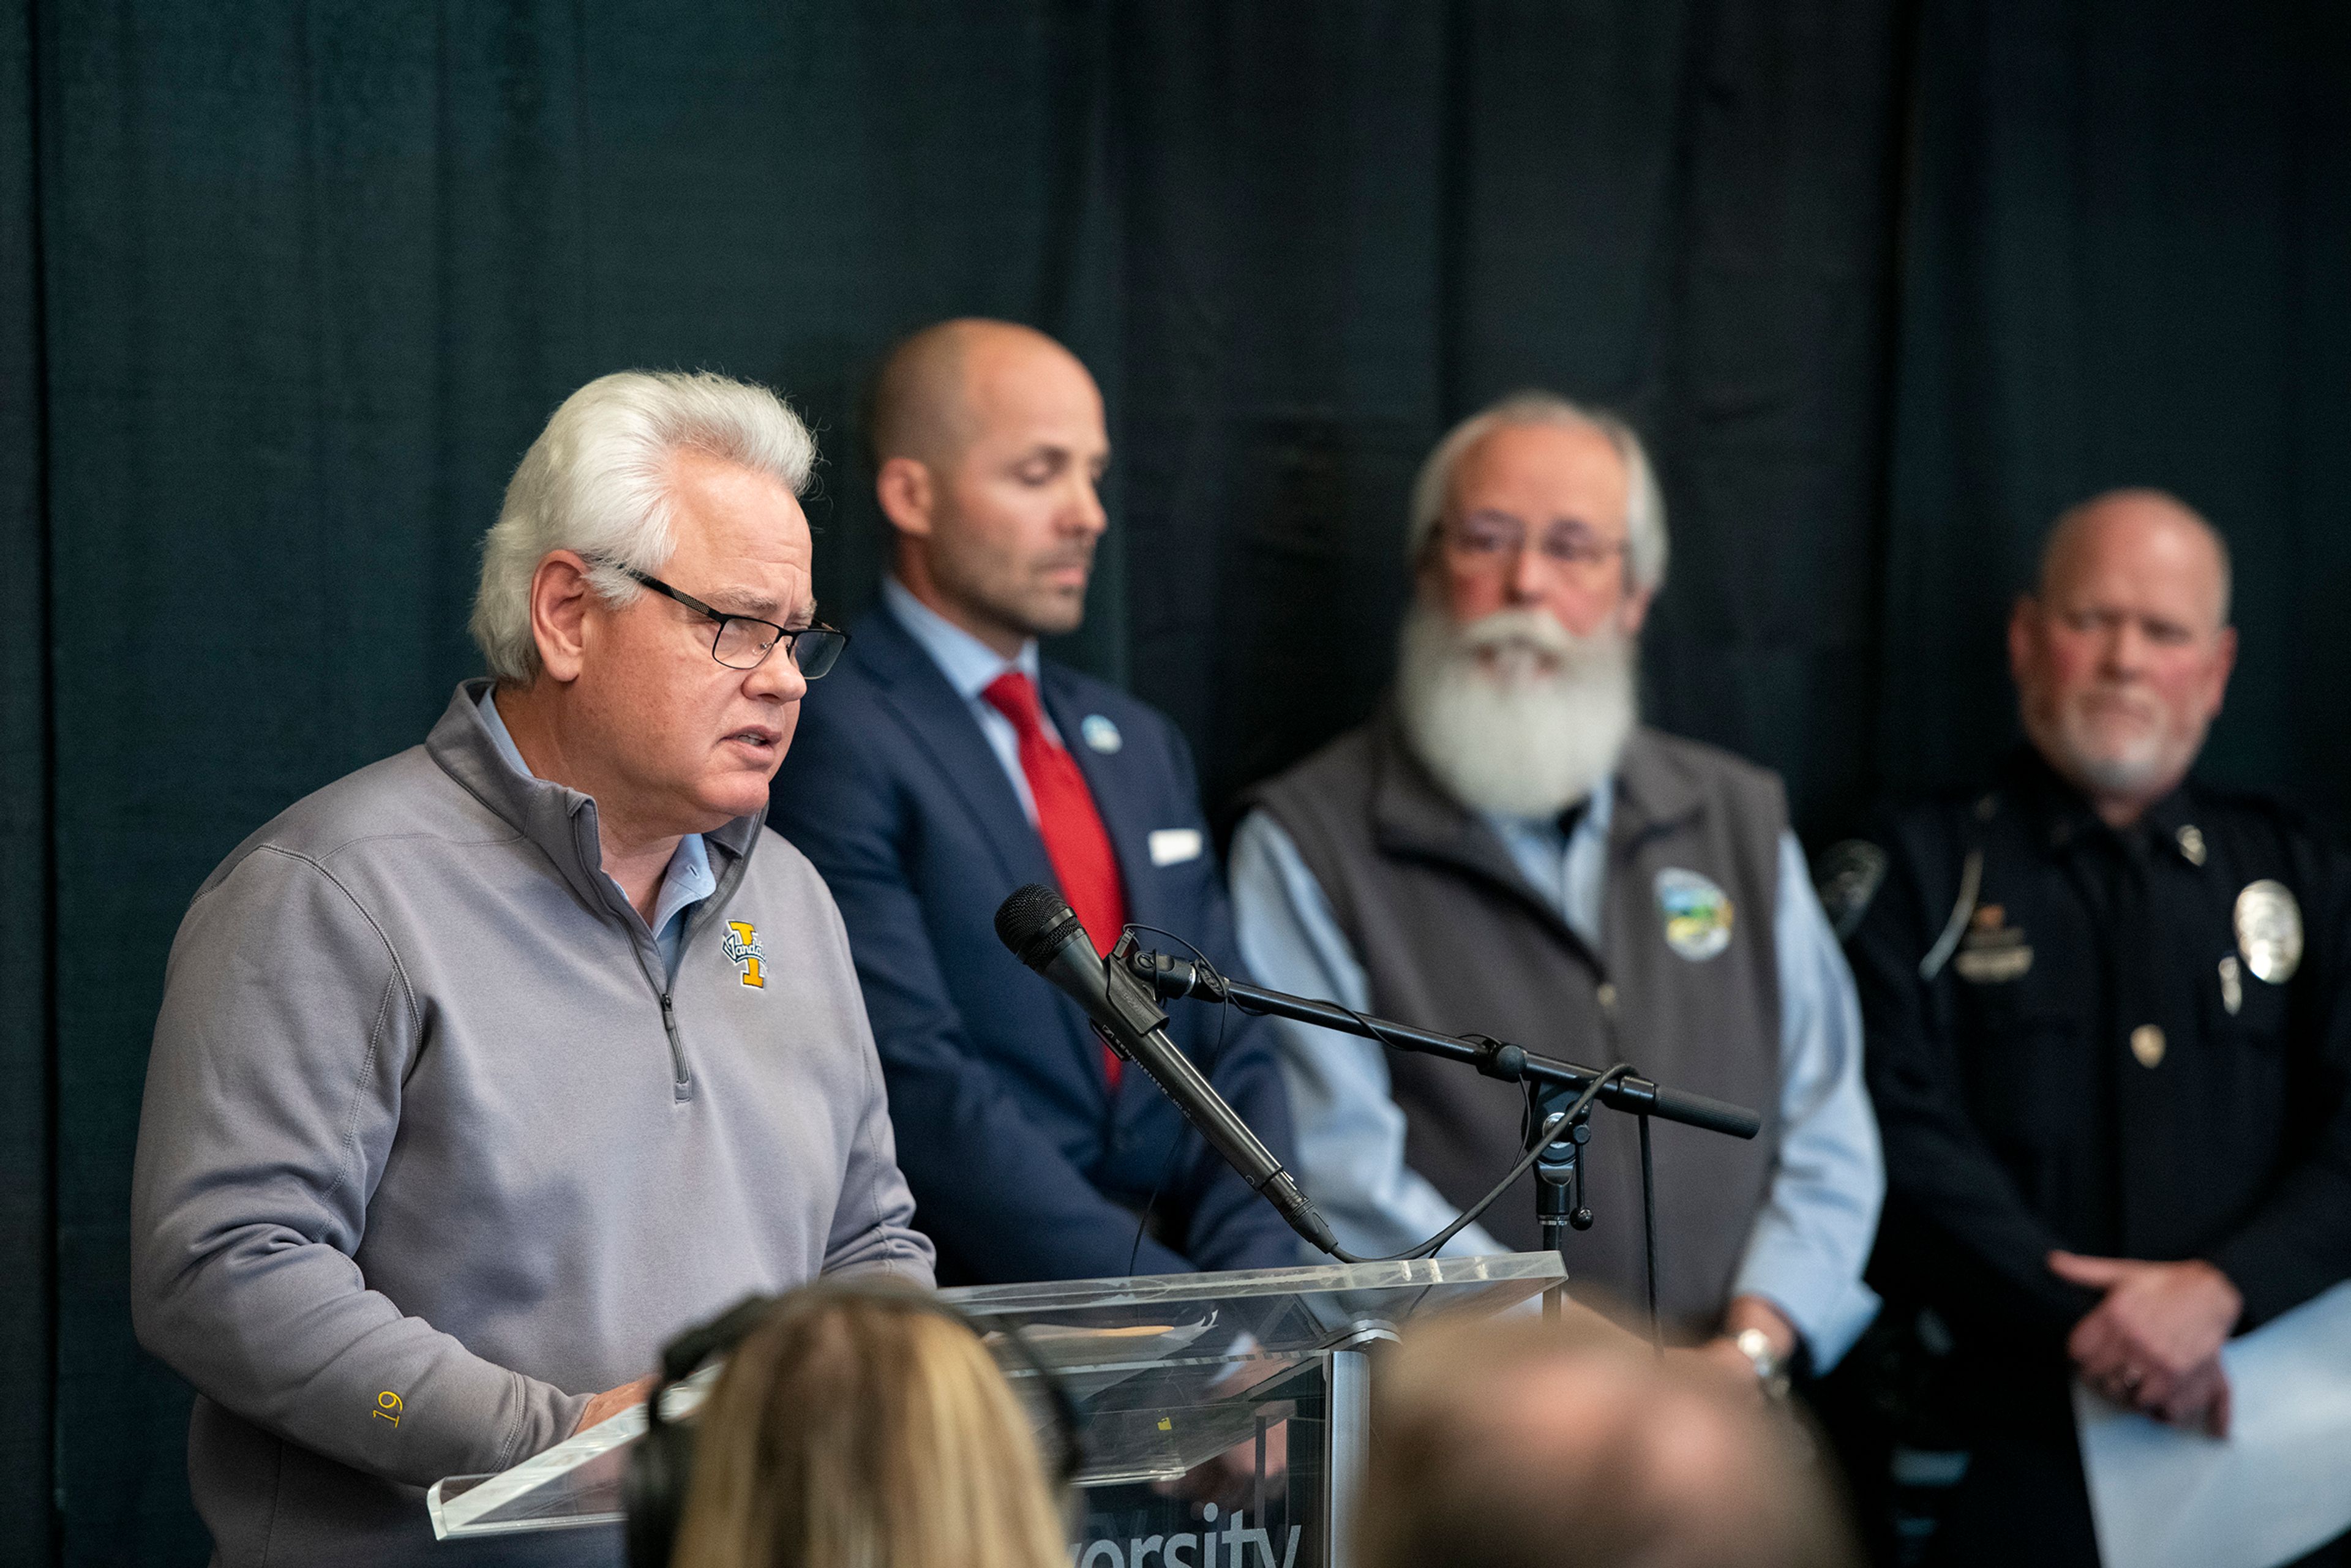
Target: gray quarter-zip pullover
433	1150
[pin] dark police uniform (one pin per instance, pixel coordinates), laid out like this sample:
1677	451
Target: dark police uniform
2129	1044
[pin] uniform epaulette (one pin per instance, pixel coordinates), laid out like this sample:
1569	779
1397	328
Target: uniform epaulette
2291	817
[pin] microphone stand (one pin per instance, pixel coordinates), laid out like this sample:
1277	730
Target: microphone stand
1551	1084
1174	979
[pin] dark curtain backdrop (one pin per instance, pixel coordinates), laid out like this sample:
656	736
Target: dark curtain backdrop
27	1046
2127	260
287	290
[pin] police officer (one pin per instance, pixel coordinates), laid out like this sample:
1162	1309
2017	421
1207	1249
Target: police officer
2107	1041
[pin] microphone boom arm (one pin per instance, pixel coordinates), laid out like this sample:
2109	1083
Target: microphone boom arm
1174	979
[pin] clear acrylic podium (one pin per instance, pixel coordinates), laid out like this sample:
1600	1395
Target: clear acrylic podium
1224	1417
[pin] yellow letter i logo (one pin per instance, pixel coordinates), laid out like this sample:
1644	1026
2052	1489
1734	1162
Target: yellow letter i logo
743	946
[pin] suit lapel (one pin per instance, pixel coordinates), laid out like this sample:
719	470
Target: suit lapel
942	728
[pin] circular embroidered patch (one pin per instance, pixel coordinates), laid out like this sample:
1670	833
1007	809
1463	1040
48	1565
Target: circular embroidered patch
1698	914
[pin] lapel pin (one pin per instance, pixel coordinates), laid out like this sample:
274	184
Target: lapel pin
1101	734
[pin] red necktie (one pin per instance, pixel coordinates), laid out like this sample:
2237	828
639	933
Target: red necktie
1075	840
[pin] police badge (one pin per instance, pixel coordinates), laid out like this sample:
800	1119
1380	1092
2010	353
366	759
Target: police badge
2268	931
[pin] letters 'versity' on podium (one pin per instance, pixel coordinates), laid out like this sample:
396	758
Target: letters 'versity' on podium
1258	1378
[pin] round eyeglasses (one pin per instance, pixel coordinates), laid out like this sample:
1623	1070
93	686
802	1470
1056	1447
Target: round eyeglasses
1486	537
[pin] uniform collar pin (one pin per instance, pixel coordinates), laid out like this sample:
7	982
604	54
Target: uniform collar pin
2192	842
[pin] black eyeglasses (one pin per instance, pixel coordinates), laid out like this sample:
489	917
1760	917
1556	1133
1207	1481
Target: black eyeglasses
744	642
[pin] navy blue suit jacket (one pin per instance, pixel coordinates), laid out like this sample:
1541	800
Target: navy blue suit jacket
1024	1166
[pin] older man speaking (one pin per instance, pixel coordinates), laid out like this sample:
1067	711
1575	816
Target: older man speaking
1507	850
485	1069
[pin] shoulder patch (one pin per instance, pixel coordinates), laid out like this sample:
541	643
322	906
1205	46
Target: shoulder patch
1847	877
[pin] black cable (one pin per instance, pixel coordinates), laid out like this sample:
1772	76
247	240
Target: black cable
1142	1221
1526	1163
1371	1026
1184	1129
1436	1243
1649	1232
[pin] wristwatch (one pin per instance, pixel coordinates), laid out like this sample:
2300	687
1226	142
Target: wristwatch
1770	1367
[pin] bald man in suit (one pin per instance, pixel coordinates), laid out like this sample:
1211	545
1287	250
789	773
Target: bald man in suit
946	764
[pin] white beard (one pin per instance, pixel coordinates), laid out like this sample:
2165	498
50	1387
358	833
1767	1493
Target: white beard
1513	714
2117	760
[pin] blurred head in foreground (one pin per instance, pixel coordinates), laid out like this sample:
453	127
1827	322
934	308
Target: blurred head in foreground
856	1430
1538	539
1526	1444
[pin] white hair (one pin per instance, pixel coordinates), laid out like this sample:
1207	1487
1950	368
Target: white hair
1644	506
596	481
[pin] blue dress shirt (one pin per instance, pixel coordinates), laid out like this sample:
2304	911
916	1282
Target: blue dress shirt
688	881
1812	1236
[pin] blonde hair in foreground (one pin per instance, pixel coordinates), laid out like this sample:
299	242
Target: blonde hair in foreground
856	1431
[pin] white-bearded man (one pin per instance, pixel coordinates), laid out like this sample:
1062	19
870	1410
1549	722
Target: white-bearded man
1505	850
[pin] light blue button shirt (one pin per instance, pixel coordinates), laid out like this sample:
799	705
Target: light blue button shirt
1806	1249
971	666
687	883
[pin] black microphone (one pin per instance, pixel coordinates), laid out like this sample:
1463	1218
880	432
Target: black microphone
1044	932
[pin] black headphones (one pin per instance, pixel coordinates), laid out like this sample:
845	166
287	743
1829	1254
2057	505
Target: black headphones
661	1466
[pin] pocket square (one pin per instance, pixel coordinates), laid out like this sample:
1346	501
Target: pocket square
1173	846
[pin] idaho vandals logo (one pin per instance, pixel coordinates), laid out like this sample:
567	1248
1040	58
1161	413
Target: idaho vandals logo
1698	914
742	945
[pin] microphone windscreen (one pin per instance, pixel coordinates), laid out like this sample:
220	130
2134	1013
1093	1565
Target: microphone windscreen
1031	923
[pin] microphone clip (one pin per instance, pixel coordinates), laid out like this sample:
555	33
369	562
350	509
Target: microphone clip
1127	995
1166	975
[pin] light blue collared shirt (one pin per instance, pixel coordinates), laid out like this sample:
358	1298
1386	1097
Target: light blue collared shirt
1806	1249
688	881
971	666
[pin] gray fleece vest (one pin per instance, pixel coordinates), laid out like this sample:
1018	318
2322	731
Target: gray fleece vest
1685	988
